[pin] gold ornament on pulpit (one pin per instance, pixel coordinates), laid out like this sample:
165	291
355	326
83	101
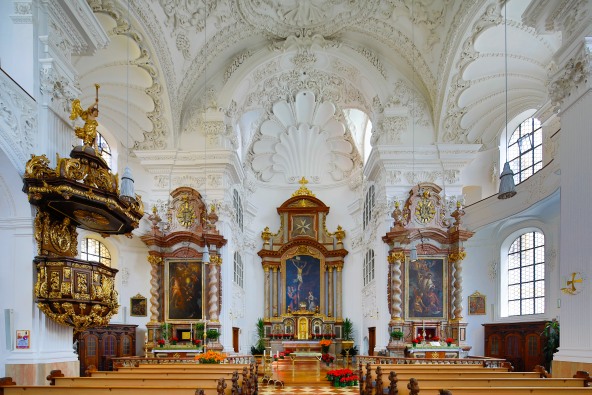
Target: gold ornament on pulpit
88	132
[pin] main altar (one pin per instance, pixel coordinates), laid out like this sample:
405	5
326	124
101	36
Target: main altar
302	263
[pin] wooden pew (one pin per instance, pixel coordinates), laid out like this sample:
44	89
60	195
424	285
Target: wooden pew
460	386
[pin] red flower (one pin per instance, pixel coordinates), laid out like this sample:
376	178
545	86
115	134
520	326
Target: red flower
415	341
436	338
161	342
449	340
174	339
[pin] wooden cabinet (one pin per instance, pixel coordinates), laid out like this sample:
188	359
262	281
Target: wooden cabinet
97	346
520	343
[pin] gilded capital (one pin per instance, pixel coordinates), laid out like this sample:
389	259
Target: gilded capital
457	256
396	256
154	260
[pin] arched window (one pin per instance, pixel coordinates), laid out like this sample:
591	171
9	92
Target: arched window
238	269
526	275
95	251
525	149
369	267
368	206
104	149
238	209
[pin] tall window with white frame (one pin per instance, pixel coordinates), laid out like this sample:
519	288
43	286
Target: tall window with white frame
526	275
238	209
95	251
104	149
238	269
368	206
525	149
368	267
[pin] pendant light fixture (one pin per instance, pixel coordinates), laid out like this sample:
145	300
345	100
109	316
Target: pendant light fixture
507	187
127	181
413	252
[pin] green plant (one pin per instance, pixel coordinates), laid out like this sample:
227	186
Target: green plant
166	330
551	345
198	330
348	329
212	334
397	335
259	347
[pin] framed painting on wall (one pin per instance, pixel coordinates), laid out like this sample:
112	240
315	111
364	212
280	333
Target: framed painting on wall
477	304
427	288
184	284
302	283
138	306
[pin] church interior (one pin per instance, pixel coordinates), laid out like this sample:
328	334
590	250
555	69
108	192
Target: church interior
257	177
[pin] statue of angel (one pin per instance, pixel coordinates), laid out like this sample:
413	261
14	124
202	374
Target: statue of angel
88	132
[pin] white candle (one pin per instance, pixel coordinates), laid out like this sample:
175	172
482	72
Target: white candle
423	324
277	354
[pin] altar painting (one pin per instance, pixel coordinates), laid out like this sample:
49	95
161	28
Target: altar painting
184	290
302	283
427	288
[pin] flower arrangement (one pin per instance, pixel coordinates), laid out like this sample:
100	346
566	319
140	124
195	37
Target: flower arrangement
415	341
449	340
174	340
161	342
325	343
280	355
210	357
342	377
197	342
435	339
327	358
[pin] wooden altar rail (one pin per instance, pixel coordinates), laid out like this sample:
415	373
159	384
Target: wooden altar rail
479	361
432	380
136	361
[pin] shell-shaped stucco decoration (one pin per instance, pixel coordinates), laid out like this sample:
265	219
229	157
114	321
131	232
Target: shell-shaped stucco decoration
302	138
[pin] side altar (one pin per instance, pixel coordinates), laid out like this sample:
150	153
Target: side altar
302	264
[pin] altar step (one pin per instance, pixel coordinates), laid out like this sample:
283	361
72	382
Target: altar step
302	373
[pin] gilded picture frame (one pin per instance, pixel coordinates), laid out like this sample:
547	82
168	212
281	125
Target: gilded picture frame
183	293
426	285
138	306
477	304
302	273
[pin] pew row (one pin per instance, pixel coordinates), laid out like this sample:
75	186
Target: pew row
373	383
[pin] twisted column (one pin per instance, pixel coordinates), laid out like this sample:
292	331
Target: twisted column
215	262
266	292
330	292
395	260
456	258
155	262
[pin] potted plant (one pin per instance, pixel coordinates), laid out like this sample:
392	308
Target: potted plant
166	330
347	334
212	334
551	346
397	335
259	347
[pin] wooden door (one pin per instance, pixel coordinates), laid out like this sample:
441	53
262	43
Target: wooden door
235	334
109	350
532	352
513	351
371	340
89	352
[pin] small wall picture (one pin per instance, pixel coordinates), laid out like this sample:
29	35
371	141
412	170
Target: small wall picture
138	306
477	303
23	339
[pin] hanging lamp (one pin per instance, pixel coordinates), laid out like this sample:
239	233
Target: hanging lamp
127	180
507	187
